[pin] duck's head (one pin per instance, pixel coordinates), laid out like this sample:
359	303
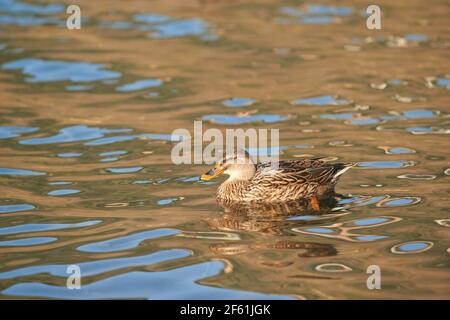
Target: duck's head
238	166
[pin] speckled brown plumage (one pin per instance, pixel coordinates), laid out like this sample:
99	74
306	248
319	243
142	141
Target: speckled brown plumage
289	181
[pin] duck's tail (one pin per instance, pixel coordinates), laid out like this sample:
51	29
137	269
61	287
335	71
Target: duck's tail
342	168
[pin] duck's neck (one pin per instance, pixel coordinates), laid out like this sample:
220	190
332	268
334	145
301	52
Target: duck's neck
232	189
240	176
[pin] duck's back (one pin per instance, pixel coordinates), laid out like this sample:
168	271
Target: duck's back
294	179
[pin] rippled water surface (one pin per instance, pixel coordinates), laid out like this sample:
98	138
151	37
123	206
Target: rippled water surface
86	178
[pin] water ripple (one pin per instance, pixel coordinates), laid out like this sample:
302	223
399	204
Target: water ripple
63	192
126	242
333	267
73	134
140	85
231	119
20	172
35	227
38	70
238	102
125	169
27	242
412	247
16	208
386	164
180	283
343	230
93	268
321	101
7	132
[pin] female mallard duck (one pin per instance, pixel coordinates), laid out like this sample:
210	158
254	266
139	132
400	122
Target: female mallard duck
282	181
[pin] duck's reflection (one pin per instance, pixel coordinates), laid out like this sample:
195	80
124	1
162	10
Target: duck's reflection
271	218
301	206
276	219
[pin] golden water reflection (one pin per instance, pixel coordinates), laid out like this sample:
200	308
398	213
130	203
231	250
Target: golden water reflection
86	176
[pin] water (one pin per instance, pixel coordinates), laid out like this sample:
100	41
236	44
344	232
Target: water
63	192
124	170
140	85
85	170
73	134
20	172
44	227
128	242
320	101
243	119
38	70
314	14
7	132
16	208
238	102
69	155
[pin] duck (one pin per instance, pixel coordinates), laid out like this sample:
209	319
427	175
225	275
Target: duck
275	182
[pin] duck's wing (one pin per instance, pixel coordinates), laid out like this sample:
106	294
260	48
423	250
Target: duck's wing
299	172
302	164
